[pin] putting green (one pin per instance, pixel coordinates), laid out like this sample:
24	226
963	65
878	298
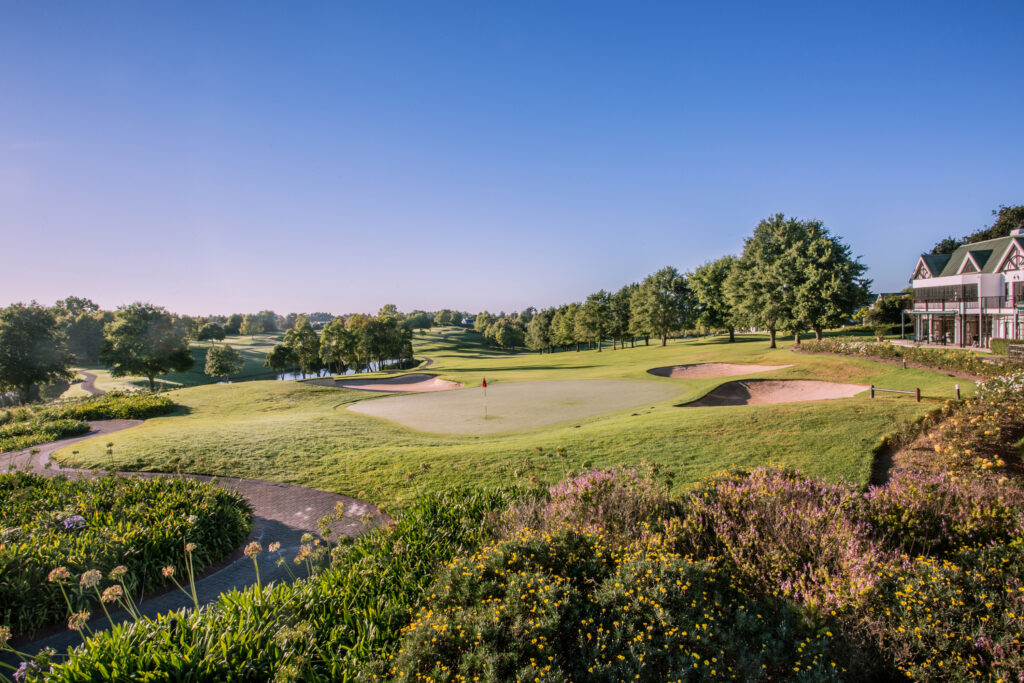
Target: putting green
515	406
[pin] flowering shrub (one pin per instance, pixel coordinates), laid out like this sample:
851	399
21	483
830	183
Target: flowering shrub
938	513
18	435
955	360
115	405
617	502
569	606
791	536
93	525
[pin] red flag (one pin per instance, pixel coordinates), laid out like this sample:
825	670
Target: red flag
485	382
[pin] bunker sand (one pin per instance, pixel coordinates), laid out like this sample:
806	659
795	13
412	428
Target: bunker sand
702	370
418	382
516	406
763	392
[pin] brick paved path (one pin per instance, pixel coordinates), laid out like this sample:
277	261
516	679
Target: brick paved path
281	513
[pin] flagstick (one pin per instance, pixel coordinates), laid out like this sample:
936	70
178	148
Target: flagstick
485	401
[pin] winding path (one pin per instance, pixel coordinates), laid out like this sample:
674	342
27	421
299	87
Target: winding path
281	513
89	384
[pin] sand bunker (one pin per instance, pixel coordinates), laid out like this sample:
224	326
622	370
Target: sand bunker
417	382
712	370
762	392
516	406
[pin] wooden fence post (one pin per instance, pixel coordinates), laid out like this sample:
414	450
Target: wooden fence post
872	391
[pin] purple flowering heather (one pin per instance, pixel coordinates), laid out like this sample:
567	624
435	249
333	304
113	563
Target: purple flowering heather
74	522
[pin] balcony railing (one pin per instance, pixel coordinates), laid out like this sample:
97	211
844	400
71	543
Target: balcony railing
987	303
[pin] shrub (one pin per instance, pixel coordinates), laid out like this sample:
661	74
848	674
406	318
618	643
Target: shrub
568	606
1000	347
955	360
97	524
791	536
15	436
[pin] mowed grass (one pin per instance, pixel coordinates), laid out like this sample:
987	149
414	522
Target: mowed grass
300	433
254	351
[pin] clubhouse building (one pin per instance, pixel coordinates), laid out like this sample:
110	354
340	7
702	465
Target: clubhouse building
971	296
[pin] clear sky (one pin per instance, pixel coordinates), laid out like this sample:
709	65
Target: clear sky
214	157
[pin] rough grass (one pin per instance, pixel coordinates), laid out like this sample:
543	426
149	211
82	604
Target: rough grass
299	433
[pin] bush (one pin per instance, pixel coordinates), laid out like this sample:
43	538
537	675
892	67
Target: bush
16	436
97	524
954	360
1000	346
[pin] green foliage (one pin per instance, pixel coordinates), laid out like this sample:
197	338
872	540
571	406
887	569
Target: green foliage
251	324
223	361
956	360
1000	347
1007	218
304	344
323	628
32	349
211	331
711	305
234	323
18	435
280	358
661	305
539	332
145	340
82	322
594	319
339	346
84	524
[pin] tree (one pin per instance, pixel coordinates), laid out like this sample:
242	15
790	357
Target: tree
620	310
563	326
1007	218
418	320
269	320
446	317
252	325
594	318
338	346
662	303
210	332
711	306
483	321
831	282
82	322
32	349
280	358
506	333
289	321
234	324
223	361
538	331
304	344
145	340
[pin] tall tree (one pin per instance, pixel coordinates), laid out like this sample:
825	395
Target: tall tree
223	361
82	322
234	323
145	340
711	306
280	358
831	281
252	325
338	346
538	331
32	349
210	332
304	344
563	326
594	318
662	303
620	314
761	285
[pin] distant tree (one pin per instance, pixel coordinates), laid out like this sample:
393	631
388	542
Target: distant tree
223	361
270	321
234	324
32	349
418	320
620	312
1007	218
210	332
526	315
707	283
388	310
82	322
563	326
594	318
662	304
538	331
252	325
483	321
446	317
289	321
280	358
338	346
145	340
304	344
507	333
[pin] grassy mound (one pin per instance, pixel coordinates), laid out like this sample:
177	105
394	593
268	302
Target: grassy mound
88	525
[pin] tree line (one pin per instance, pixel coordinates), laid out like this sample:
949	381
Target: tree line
793	275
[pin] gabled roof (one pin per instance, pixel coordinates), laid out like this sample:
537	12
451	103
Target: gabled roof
985	256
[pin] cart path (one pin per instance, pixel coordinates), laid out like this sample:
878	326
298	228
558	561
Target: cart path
89	383
281	513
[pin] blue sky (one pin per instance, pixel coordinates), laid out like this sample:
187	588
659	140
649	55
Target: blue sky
235	156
